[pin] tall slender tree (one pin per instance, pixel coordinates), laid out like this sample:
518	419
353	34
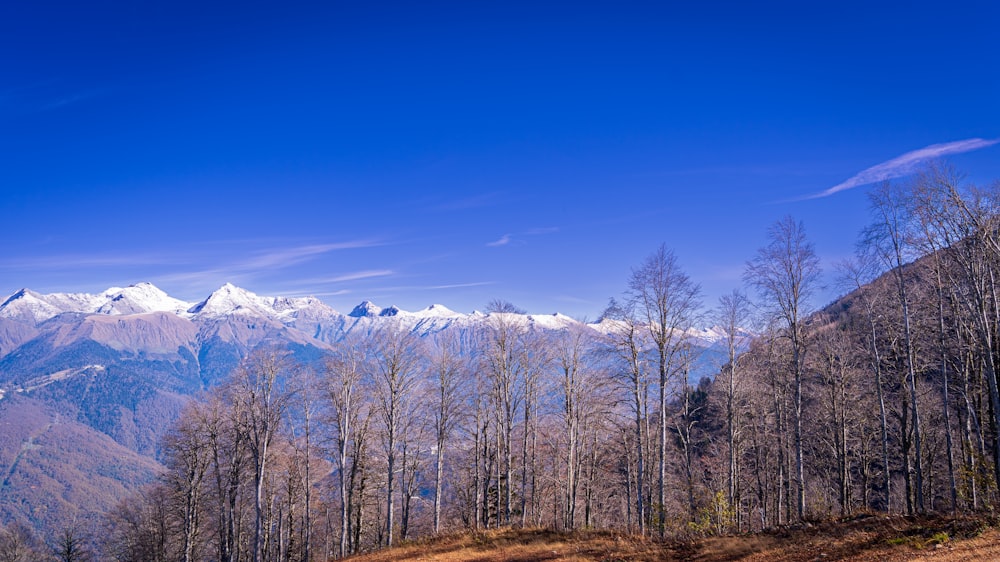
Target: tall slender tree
669	303
785	273
890	238
733	314
396	356
262	403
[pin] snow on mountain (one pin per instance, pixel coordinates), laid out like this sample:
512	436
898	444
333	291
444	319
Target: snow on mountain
230	299
391	311
141	298
551	321
308	317
29	307
366	309
33	308
437	311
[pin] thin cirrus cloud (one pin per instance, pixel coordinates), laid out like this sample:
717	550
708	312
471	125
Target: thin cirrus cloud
65	262
438	287
905	164
502	241
354	276
508	238
271	260
287	257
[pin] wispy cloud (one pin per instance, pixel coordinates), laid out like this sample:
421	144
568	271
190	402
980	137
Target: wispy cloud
73	261
287	257
352	276
437	287
905	164
195	271
502	241
339	293
508	238
456	286
46	95
70	99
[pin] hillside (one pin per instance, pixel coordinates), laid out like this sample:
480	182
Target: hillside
55	469
862	539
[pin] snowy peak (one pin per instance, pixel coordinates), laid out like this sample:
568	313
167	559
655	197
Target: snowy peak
437	311
230	299
28	306
141	298
366	309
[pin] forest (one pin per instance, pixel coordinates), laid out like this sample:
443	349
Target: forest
884	401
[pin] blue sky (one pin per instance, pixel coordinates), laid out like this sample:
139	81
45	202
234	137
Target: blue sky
418	153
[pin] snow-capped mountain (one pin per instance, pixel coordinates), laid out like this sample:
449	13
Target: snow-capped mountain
232	313
31	307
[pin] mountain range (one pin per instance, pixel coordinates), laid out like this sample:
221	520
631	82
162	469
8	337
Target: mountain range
88	382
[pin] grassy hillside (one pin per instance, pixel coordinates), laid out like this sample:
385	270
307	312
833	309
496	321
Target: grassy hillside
866	538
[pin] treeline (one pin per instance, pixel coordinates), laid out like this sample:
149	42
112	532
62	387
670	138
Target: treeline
884	401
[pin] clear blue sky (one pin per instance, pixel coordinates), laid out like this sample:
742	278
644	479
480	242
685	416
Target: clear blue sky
423	152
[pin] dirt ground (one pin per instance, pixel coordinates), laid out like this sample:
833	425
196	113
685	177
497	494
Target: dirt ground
860	539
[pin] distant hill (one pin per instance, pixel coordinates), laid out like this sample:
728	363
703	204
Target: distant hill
55	469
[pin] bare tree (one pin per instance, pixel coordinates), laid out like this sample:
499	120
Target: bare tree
447	365
506	363
858	275
227	442
579	383
188	458
890	238
262	403
965	219
627	346
668	301
733	315
785	273
70	546
344	372
396	357
301	421
18	544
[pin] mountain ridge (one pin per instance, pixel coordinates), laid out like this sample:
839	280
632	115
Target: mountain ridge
30	307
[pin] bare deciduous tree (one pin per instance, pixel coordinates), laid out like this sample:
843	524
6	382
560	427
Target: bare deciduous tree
785	273
733	315
396	356
668	301
262	404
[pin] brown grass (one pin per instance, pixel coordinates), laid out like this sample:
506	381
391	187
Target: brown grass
526	545
861	539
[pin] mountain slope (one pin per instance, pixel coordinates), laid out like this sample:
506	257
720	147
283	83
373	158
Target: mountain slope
55	470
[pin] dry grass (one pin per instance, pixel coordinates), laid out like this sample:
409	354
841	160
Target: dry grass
861	539
526	545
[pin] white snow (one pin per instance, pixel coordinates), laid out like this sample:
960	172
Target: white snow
306	313
139	299
437	311
135	299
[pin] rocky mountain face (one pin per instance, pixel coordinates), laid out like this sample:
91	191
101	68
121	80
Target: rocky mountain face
88	383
